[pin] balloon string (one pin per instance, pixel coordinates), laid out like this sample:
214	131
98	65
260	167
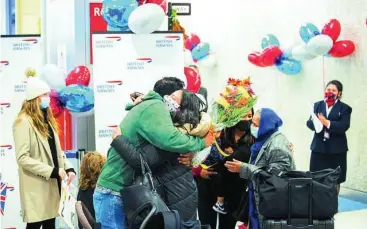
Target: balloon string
323	73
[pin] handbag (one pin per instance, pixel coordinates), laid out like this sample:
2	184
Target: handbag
141	200
273	190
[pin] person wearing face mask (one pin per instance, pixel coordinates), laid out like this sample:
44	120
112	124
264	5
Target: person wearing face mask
219	190
271	149
175	180
42	162
329	147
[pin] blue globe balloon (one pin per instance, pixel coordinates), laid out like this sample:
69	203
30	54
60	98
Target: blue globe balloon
289	66
200	51
117	12
77	98
269	40
308	31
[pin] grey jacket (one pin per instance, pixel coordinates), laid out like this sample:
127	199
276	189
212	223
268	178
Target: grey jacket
276	153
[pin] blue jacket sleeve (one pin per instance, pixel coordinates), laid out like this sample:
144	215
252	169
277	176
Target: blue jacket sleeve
309	122
343	124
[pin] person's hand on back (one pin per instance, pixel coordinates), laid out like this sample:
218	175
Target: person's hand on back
116	133
206	173
209	139
186	159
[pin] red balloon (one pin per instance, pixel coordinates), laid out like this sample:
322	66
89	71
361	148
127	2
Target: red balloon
256	59
342	49
161	3
192	41
193	80
56	107
79	75
332	29
270	54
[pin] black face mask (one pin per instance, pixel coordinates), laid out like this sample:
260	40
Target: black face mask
244	125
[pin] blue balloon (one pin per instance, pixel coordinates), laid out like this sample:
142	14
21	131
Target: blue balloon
289	66
117	12
77	98
308	31
269	40
200	51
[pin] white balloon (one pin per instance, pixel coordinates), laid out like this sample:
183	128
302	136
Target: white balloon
146	18
188	58
300	53
53	75
209	61
319	45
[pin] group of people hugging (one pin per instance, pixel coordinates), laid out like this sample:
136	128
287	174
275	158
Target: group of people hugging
167	127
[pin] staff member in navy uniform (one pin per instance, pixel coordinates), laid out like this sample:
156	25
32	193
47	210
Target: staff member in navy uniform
329	147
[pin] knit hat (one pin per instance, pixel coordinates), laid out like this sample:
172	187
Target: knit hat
35	87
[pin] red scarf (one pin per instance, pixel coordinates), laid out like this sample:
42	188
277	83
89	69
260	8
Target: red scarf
330	99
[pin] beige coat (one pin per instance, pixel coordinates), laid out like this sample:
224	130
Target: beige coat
201	129
39	193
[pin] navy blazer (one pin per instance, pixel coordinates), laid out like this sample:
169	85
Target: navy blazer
339	118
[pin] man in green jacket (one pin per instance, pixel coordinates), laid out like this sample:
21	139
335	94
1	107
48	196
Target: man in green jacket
150	121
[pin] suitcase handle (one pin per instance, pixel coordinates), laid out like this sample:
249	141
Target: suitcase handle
300	181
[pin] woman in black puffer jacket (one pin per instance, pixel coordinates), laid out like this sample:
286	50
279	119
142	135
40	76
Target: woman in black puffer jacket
175	182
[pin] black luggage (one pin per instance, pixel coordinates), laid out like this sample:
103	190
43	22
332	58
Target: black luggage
273	194
299	223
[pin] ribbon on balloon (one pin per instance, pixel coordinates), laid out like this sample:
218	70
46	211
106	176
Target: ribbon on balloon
272	55
71	93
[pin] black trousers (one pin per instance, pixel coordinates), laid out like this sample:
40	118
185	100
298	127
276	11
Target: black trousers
207	198
46	224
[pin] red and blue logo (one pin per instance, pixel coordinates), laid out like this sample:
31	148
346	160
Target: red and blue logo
174	37
4	62
116	38
4	187
146	59
31	40
115	82
7	147
4	105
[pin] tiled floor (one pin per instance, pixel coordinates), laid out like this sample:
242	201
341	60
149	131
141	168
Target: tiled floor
351	220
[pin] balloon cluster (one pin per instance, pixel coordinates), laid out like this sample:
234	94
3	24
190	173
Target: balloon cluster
273	55
324	43
138	16
71	93
316	43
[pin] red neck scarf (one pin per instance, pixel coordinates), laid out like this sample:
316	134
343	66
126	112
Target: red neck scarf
330	99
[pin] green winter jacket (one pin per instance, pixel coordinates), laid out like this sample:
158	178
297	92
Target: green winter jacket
151	122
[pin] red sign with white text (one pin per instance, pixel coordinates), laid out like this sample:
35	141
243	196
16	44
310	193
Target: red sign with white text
97	24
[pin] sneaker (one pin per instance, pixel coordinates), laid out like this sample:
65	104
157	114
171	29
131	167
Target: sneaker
220	208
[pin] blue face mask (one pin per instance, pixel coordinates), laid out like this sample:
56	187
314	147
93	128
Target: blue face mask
172	105
45	102
254	131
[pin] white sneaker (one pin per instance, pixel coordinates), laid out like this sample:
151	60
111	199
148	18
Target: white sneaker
220	208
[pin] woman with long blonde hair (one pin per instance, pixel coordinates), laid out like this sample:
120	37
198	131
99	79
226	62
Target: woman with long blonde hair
42	163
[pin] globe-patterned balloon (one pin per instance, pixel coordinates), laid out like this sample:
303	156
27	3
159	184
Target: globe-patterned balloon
117	12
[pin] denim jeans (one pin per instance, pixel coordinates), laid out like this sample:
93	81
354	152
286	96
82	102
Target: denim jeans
109	208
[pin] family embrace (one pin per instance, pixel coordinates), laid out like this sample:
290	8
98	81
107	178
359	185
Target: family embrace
165	127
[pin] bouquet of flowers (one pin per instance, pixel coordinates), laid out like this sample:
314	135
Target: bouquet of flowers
229	108
233	103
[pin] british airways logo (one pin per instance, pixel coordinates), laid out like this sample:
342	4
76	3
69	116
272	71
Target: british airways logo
4	149
4	62
25	44
109	86
19	88
108	42
107	131
167	42
139	63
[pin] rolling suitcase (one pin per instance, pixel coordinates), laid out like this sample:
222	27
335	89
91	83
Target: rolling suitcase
293	223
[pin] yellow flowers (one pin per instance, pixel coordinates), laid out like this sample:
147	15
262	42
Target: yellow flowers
223	102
